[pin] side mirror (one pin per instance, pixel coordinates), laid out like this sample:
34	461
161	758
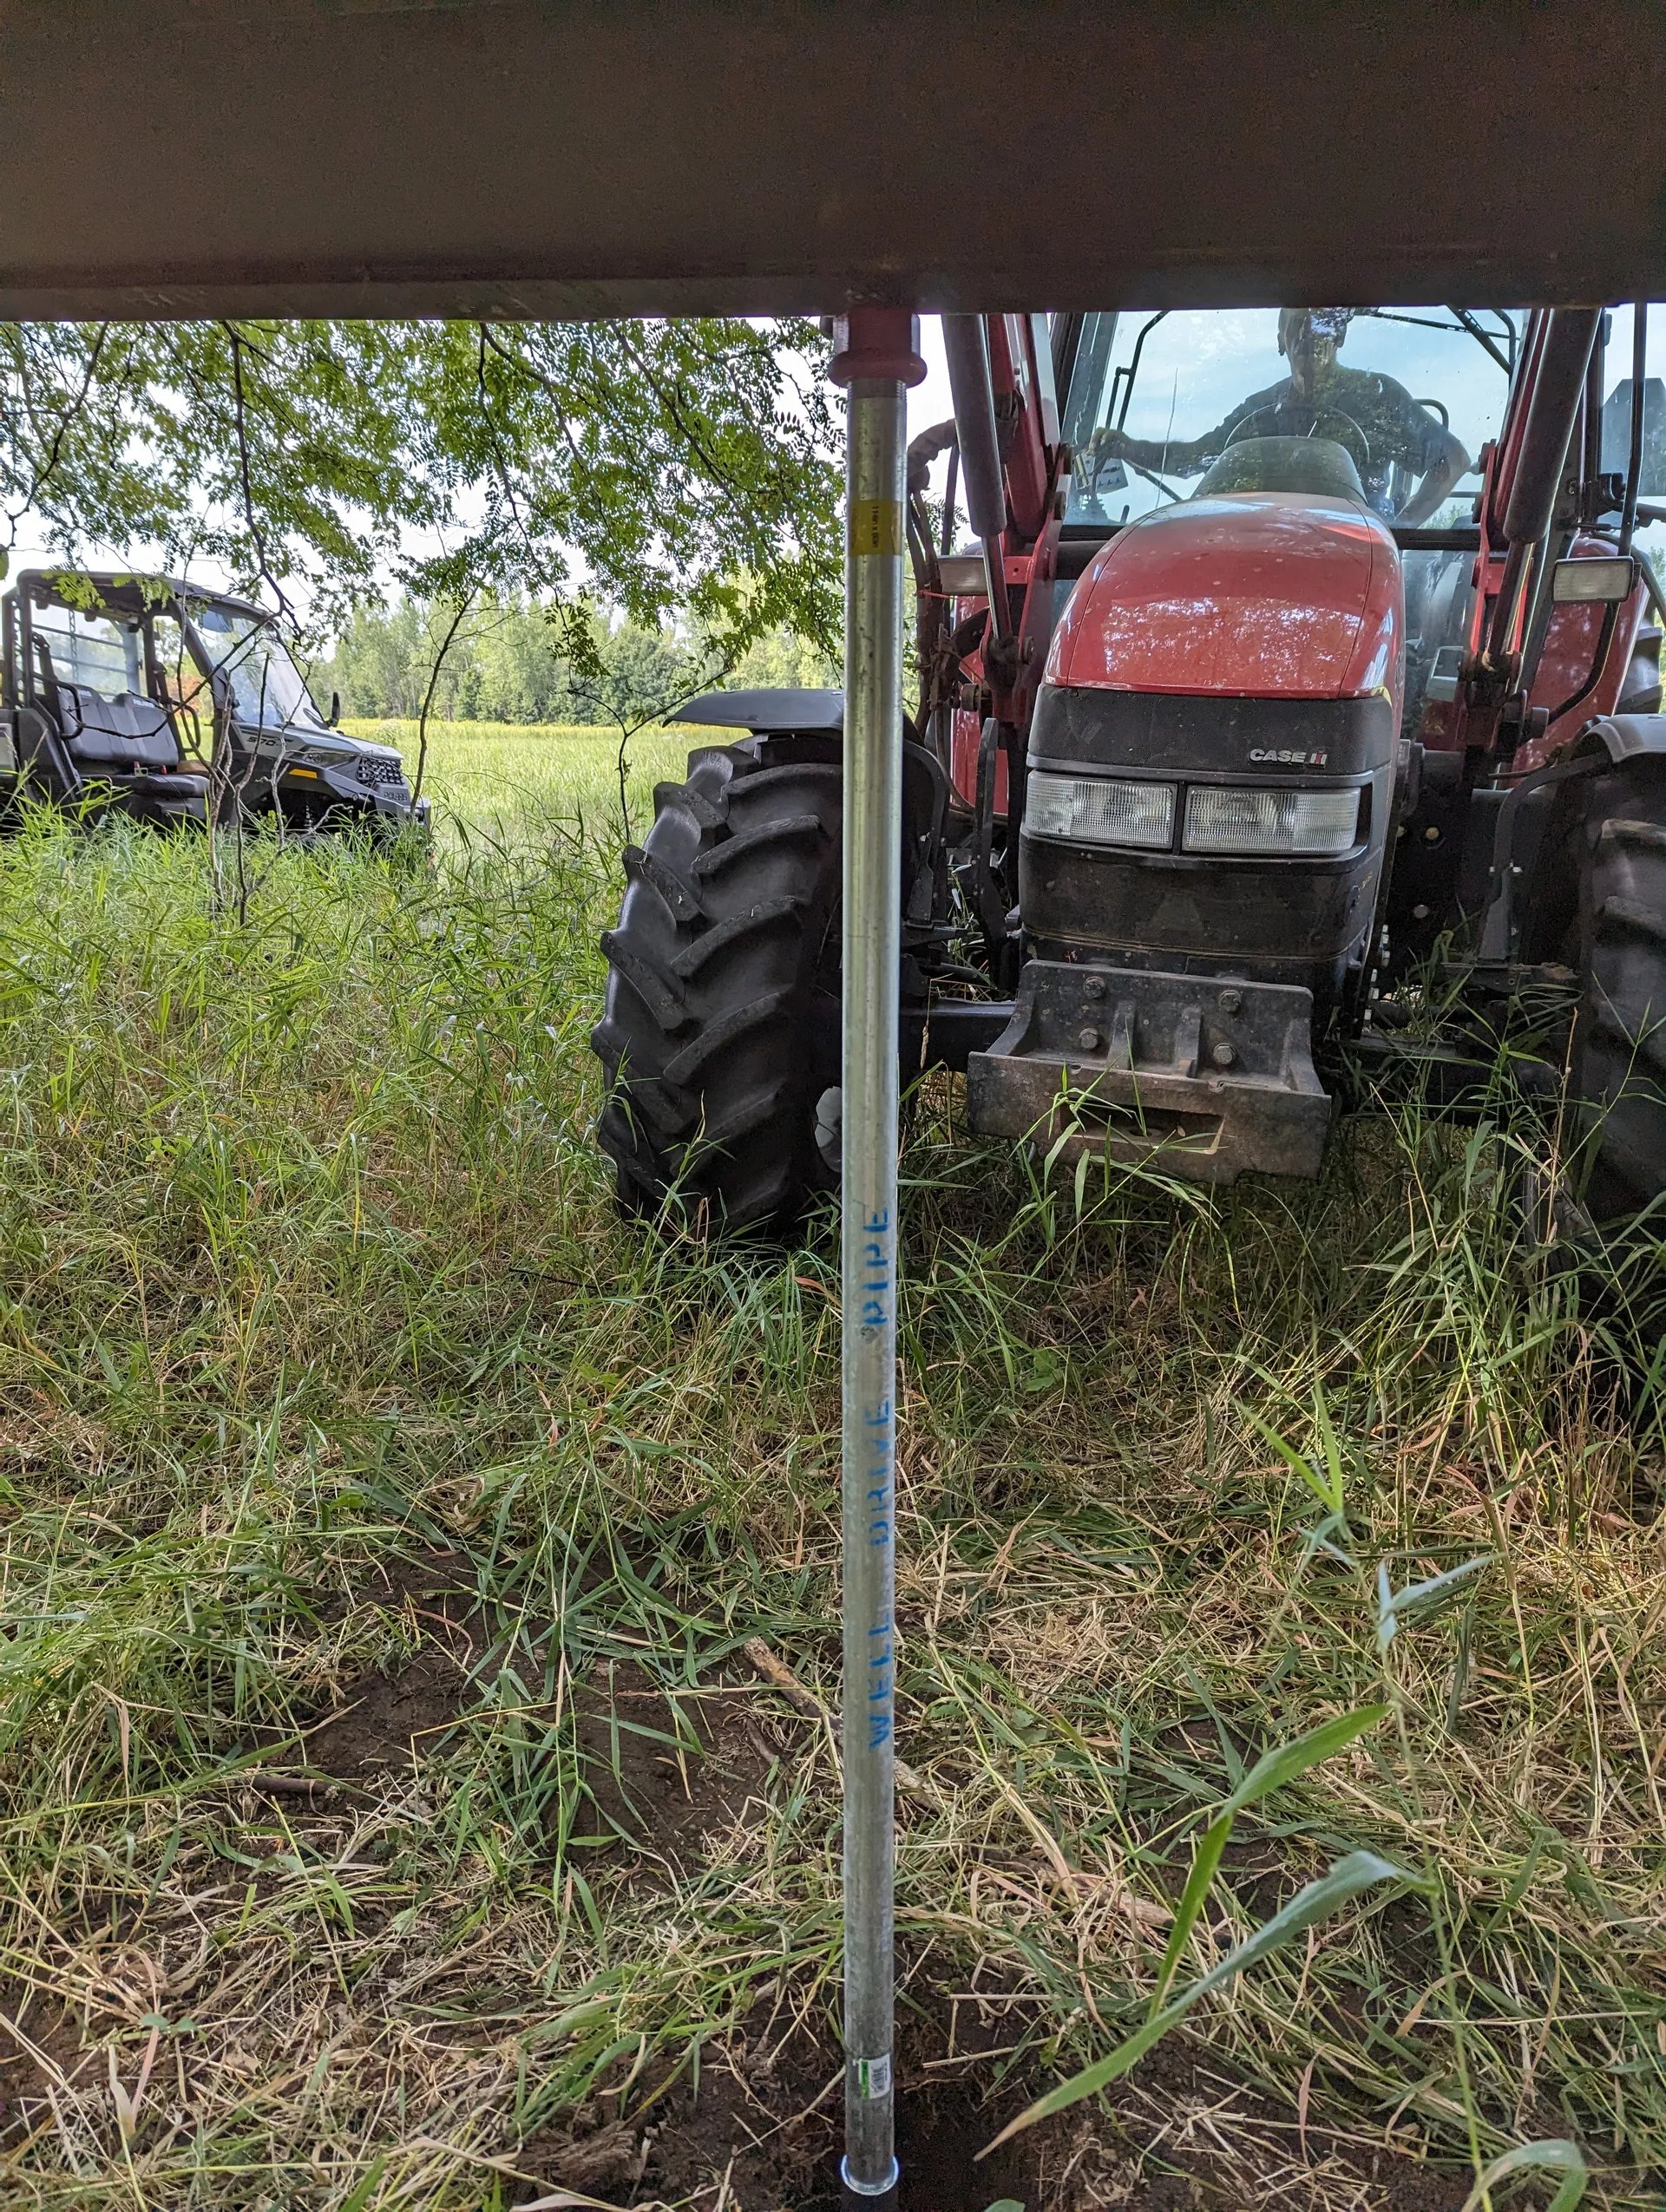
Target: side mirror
1603	581
335	708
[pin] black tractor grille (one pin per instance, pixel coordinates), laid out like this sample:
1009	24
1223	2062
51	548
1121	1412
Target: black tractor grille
374	771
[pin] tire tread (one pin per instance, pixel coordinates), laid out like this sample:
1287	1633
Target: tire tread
721	1025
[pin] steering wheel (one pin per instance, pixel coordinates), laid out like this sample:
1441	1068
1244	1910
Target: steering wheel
1323	414
1103	459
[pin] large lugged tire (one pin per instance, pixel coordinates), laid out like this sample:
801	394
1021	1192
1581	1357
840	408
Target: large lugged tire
721	1030
1619	1056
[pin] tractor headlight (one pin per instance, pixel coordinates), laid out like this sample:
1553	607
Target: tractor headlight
1313	823
1099	810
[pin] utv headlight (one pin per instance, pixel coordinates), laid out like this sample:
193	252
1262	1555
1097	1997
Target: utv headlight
1314	823
1099	810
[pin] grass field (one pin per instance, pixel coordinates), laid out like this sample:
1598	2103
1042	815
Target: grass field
391	1812
503	778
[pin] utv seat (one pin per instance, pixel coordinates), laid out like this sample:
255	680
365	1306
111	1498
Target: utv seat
123	734
129	742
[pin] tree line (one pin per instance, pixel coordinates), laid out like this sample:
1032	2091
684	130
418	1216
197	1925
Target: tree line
506	657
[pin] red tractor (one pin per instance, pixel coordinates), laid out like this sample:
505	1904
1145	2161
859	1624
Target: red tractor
1244	746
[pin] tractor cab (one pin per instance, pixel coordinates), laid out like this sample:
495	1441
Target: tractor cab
160	699
1397	413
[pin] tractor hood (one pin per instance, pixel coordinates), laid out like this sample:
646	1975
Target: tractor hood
1258	595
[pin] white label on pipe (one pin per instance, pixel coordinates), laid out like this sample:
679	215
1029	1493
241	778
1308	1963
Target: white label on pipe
874	2076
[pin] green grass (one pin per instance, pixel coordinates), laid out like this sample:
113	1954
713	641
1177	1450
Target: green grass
497	775
309	1272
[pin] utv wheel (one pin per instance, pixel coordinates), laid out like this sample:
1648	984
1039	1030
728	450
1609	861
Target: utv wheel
1619	1054
720	1037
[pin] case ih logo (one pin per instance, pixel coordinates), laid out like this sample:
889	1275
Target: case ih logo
1281	756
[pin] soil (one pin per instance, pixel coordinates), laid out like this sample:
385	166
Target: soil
762	2136
395	1720
39	2047
665	1780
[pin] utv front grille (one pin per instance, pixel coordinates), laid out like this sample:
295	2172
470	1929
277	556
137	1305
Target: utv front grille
373	771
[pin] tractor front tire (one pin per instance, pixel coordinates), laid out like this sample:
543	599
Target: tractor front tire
720	1036
1619	1044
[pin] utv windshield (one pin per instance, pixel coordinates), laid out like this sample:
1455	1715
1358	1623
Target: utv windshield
266	687
1161	406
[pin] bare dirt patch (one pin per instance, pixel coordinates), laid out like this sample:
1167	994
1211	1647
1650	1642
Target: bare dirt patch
763	2133
395	1720
40	2050
668	1770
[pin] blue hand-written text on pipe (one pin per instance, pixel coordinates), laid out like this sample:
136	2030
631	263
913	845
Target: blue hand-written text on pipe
877	1269
880	1422
880	1425
881	1675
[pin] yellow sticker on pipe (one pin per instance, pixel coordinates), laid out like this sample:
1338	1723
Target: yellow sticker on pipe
876	526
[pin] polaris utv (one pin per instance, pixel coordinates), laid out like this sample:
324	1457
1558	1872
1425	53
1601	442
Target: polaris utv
161	700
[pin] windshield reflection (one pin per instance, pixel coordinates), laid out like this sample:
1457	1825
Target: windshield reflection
1409	395
267	689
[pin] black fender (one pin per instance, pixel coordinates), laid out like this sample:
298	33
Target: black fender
1624	736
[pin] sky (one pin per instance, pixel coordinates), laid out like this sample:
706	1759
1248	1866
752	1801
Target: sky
931	402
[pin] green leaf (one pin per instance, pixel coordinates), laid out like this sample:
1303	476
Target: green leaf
1295	1460
1047	1369
1554	2157
1336	1482
1421	1597
1348	1879
1205	1864
361	2193
1285	1762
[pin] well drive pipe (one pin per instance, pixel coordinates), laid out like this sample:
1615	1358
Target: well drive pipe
876	356
966	348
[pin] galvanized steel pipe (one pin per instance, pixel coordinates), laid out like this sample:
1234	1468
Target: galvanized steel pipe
877	358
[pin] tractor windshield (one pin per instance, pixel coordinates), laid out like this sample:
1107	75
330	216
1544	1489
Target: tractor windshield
266	687
1404	398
